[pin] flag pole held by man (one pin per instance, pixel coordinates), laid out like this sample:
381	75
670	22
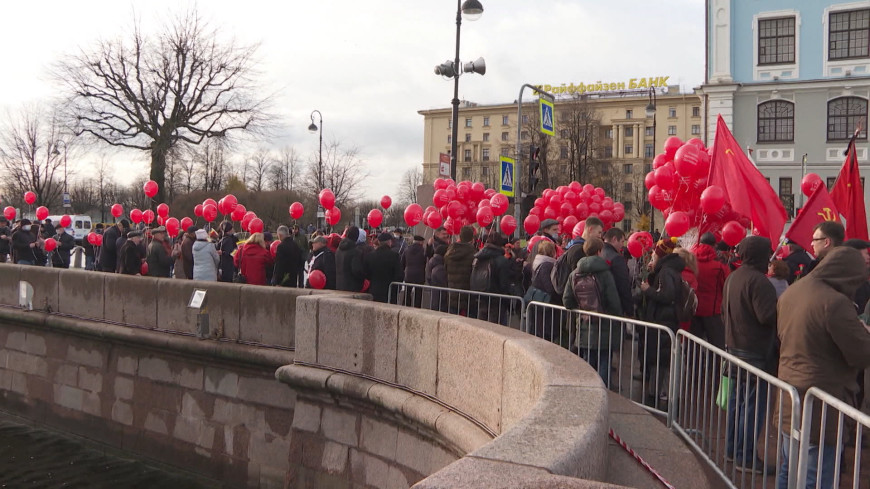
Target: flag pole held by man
847	194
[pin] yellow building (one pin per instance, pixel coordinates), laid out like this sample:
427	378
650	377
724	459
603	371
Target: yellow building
604	138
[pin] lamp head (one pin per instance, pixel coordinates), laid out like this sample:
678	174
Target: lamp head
471	10
650	110
312	127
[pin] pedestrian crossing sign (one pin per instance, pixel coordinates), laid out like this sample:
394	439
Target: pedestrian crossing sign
507	176
546	116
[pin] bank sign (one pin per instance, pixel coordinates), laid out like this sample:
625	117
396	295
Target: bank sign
603	87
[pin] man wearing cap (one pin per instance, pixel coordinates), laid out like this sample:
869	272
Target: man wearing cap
182	253
440	237
321	258
399	244
65	244
109	250
24	242
130	255
382	267
159	257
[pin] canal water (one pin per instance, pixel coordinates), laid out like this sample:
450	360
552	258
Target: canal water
32	457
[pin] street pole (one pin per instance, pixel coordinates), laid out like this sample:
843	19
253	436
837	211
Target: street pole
803	174
455	101
651	112
311	128
518	189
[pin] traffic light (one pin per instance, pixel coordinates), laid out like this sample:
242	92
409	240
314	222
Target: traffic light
534	165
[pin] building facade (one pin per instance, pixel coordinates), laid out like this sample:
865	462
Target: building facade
602	137
792	80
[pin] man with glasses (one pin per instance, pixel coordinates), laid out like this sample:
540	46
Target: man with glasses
827	235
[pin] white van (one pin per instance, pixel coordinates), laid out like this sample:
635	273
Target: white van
79	227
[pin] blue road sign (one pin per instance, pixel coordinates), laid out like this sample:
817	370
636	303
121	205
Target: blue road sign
507	176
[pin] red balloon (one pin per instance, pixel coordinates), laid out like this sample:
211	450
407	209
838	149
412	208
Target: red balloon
117	210
316	279
29	197
635	247
41	212
531	224
672	144
185	223
508	225
733	232
440	184
209	212
606	216
150	189
696	142
136	216
499	204
238	213
9	213
65	221
578	229
273	248
230	202
386	202
296	210
222	206
485	216
810	183
454	209
566	209
555	201
594	208
659	161
333	216
568	224
550	213
440	198
686	160
414	214
677	224
435	220
665	177
256	225
172	227
712	199
477	190
197	210
92	238
581	211
144	269
50	244
327	198
148	216
375	218
163	210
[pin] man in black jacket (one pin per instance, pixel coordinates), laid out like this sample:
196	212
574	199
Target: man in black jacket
65	244
5	239
323	259
288	260
130	255
614	240
24	244
797	260
491	257
414	264
109	250
382	267
349	270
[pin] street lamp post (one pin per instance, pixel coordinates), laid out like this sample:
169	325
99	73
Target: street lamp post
56	152
312	128
651	112
472	9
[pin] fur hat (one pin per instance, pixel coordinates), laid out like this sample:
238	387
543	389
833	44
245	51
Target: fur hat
665	246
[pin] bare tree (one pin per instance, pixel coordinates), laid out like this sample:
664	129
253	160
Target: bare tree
213	167
411	179
29	142
256	169
579	123
285	169
343	172
150	93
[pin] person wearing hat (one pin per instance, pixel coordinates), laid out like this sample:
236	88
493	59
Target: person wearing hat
5	239
301	241
109	251
205	257
399	244
321	258
288	260
349	273
159	257
414	266
65	244
130	256
182	254
225	248
382	267
24	244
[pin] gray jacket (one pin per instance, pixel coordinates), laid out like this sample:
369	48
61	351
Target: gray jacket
205	261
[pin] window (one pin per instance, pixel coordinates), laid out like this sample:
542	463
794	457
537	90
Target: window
485	154
504	136
563	152
608	151
626	187
467	137
563	134
844	115
629	132
672	130
628	114
649	132
626	168
486	121
449	123
485	171
626	224
449	139
647	167
608	134
785	186
672	112
848	34
525	119
696	129
776	41
649	150
504	120
629	149
775	121
505	151
627	205
831	181
468	122
696	112
485	137
467	155
524	135
466	172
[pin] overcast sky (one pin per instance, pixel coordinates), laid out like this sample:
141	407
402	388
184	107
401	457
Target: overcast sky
367	64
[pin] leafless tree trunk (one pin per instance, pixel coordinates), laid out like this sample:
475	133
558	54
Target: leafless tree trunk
411	179
183	85
343	172
257	168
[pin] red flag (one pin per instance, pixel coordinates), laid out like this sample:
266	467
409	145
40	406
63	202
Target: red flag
820	207
745	187
848	195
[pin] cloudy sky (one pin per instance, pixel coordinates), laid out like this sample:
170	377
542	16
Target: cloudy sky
367	64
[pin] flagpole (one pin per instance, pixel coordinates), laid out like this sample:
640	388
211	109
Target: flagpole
803	174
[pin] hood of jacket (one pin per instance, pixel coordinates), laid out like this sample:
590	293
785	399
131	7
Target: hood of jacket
705	252
542	259
489	251
199	245
843	269
347	244
755	252
592	264
673	261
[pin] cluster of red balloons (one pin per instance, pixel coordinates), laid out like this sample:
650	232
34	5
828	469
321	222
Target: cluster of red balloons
460	204
678	187
95	239
375	217
570	205
639	243
327	200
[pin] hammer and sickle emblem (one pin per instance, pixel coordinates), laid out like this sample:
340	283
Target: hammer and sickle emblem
728	151
827	214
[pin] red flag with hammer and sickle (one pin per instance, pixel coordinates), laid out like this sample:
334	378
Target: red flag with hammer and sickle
820	207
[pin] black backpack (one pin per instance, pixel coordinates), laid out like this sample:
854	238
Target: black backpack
560	273
587	292
686	303
481	275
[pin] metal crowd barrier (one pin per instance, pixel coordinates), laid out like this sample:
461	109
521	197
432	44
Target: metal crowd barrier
633	358
732	413
831	419
506	310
